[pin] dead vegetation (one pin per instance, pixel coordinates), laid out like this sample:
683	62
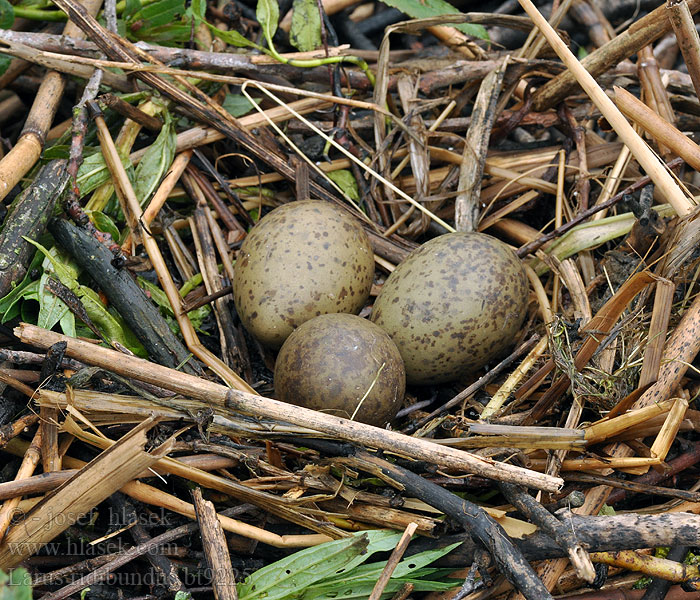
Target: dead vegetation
144	453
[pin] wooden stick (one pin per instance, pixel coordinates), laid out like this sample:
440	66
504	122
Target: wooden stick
252	404
652	165
393	561
687	36
548	523
215	548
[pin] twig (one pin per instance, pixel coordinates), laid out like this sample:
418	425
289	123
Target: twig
688	39
477	385
215	548
393	561
247	403
531	247
655	168
538	515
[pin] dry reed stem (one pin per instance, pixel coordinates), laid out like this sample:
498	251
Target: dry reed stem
164	189
26	469
687	36
661	313
133	208
607	428
91	485
499	398
669	430
394	559
652	165
260	406
662	130
632	560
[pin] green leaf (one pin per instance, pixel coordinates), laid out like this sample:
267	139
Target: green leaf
131	7
4	63
94	172
197	9
232	38
358	582
19	291
305	31
238	105
422	9
15	585
104	223
288	577
268	14
7	14
345	180
157	14
155	162
158	296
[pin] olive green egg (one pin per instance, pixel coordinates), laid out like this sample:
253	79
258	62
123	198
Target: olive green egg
301	260
332	362
453	305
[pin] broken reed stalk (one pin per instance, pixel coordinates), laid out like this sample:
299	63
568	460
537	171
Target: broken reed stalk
648	29
499	398
471	172
646	158
662	130
607	428
669	430
26	469
91	485
159	198
215	548
649	565
687	36
656	337
26	151
394	559
252	404
133	208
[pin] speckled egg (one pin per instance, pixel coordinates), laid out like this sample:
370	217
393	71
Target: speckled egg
453	305
303	259
331	362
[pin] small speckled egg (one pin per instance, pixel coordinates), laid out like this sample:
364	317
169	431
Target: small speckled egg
453	305
301	260
331	362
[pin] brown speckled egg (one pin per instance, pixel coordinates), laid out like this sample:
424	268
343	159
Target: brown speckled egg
302	260
330	362
453	305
